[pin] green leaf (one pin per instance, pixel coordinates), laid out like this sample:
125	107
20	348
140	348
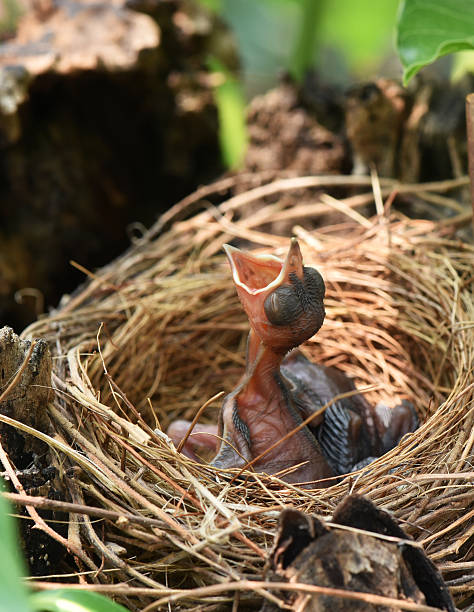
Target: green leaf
13	593
231	109
73	600
429	29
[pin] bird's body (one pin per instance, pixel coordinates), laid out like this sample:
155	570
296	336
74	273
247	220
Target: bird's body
258	415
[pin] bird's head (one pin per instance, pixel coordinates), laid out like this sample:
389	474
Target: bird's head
283	299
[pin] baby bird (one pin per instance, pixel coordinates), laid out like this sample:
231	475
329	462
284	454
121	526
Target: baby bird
284	302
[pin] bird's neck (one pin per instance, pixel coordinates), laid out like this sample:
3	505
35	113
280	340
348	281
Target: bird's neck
261	398
262	368
264	408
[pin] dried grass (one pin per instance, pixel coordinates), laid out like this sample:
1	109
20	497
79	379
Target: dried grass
158	332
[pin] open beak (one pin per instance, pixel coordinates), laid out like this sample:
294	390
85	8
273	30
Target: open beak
257	276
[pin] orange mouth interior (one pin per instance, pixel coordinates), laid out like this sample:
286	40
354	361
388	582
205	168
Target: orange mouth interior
256	273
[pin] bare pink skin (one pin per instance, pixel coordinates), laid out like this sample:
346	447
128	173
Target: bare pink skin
202	437
262	406
269	415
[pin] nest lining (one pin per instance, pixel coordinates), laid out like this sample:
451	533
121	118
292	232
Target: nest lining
154	335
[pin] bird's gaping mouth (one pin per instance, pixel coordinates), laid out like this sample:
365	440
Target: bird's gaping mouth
256	274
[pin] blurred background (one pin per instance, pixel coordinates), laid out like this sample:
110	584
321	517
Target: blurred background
110	112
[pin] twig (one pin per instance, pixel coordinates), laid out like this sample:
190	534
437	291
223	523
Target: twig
39	522
249	585
196	418
62	506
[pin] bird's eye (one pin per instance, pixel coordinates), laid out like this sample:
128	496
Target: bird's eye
283	306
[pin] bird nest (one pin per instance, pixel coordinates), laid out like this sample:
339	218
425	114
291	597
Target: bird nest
159	333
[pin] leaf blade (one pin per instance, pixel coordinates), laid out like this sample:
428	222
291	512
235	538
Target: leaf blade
429	29
13	593
73	600
230	103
